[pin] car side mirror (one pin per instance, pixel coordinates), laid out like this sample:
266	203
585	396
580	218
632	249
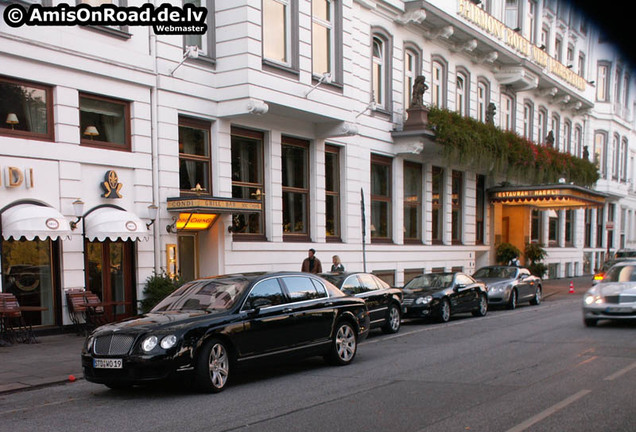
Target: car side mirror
460	286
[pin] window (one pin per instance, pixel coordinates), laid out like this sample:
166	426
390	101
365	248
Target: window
555	127
194	156
332	192
578	141
412	202
326	38
247	182
531	30
545	39
266	293
457	203
558	49
553	228
438	83
437	204
567	137
116	30
600	215
624	156
381	180
588	228
616	160
205	42
411	71
600	152
536	226
602	82
581	65
569	227
511	14
542	124
483	98
528	115
381	67
295	159
280	32
507	112
26	109
104	122
462	93
303	288
480	209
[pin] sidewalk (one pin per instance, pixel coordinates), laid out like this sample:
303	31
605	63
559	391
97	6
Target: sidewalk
57	357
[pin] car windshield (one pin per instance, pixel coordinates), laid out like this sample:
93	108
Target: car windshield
495	273
620	273
204	295
443	280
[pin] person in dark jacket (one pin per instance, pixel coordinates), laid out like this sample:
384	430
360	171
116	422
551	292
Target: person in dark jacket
311	264
337	266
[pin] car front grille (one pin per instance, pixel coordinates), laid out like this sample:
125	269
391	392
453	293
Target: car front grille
620	299
113	344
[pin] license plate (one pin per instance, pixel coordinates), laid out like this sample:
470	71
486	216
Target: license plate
108	364
619	309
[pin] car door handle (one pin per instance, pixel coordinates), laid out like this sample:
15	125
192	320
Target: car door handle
287	310
328	303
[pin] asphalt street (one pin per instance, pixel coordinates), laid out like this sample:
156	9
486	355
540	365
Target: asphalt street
536	368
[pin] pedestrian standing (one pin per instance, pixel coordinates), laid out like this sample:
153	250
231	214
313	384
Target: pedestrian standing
337	266
311	264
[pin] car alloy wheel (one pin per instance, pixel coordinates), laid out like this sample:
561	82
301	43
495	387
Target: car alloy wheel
537	297
394	320
213	368
445	311
482	307
512	302
344	345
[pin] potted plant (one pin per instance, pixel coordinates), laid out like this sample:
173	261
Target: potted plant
506	252
535	254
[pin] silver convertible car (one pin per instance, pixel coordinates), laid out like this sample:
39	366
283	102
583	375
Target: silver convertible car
510	285
614	297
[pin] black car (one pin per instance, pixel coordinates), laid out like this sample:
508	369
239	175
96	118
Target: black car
383	301
209	326
440	295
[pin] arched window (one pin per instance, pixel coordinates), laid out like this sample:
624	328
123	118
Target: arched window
507	112
567	137
483	99
381	67
462	92
528	120
438	83
542	125
412	68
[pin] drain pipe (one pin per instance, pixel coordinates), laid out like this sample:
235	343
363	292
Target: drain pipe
154	124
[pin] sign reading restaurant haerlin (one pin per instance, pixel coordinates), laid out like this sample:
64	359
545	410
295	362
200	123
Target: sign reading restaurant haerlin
482	19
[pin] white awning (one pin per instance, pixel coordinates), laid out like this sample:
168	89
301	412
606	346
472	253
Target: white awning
31	221
112	223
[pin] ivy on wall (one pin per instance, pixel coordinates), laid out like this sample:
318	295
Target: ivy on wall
504	153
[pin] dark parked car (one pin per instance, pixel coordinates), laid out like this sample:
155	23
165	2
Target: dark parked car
510	285
209	326
384	302
440	295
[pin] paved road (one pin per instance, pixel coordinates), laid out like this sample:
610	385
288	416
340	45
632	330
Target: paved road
535	368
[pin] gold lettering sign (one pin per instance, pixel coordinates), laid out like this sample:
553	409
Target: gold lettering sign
195	221
212	204
15	177
474	14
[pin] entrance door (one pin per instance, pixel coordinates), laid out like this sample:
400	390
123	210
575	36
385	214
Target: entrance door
187	257
27	272
110	275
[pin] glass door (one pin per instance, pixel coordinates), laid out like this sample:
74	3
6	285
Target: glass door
110	275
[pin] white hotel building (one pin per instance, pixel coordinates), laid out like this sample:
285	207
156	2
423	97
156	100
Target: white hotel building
253	155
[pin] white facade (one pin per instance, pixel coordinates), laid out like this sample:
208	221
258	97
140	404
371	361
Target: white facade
234	85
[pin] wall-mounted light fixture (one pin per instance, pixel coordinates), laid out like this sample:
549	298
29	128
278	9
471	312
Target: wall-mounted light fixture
325	78
12	119
152	214
172	228
78	210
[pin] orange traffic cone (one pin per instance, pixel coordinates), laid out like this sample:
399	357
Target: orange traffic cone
571	287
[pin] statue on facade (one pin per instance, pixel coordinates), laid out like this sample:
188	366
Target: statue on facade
549	140
490	113
419	88
586	153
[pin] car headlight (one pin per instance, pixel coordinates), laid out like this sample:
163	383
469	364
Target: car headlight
594	299
424	300
89	344
149	343
168	341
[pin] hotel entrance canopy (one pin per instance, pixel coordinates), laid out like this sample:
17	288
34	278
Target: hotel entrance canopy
200	213
557	196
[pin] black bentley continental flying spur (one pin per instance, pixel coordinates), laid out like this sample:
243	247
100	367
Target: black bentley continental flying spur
208	327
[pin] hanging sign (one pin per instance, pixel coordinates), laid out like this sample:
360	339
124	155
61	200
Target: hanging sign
111	185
